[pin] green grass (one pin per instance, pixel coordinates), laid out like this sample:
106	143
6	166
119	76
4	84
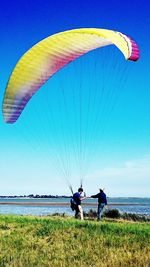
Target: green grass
55	241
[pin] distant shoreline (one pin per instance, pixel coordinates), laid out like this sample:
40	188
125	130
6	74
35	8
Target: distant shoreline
67	204
61	196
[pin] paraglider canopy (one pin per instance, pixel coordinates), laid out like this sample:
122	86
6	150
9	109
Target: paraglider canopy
48	56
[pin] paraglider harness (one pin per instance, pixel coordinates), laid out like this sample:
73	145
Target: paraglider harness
73	204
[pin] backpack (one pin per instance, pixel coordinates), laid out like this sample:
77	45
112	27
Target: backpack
73	204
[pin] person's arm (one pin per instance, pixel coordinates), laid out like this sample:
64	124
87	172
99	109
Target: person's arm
95	196
105	198
106	206
82	198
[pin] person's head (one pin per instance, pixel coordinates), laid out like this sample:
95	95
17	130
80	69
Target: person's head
80	190
101	190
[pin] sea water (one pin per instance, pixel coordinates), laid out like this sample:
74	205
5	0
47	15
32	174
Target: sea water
129	205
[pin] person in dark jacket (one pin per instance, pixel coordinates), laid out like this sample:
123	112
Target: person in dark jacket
102	202
77	200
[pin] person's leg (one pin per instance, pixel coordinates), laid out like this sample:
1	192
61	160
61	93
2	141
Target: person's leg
81	212
76	212
100	211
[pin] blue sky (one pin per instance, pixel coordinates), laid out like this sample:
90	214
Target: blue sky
48	144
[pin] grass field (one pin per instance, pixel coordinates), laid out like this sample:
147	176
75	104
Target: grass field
56	241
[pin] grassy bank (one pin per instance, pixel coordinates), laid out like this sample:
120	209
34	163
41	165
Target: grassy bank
55	241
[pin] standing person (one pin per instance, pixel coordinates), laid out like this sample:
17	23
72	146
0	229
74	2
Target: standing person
77	200
102	201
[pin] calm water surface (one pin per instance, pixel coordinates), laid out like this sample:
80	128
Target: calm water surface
143	206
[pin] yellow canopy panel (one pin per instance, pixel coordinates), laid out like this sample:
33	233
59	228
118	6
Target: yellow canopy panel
45	58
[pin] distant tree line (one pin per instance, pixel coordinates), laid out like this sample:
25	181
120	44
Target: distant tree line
35	196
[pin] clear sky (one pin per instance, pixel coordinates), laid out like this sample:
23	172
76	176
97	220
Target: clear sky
92	119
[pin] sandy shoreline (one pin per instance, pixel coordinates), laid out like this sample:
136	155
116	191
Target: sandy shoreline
67	204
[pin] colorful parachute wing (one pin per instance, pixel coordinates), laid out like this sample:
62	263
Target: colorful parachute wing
45	58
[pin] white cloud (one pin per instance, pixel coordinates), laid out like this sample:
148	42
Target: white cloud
131	178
